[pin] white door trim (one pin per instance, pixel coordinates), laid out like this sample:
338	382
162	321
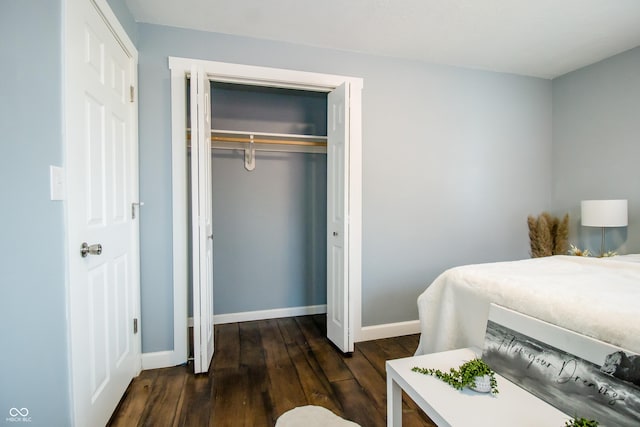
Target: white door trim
70	9
263	76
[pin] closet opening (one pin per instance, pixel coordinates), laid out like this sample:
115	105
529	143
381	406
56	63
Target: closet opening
274	173
270	221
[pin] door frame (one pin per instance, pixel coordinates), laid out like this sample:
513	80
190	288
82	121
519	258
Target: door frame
263	76
71	7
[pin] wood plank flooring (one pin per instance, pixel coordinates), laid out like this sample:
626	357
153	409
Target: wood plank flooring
261	370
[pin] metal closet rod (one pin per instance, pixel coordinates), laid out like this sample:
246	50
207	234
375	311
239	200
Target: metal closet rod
268	141
263	138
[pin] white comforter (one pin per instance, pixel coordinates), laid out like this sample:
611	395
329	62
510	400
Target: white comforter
598	297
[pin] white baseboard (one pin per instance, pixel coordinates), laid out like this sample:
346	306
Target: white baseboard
376	332
164	359
158	359
277	313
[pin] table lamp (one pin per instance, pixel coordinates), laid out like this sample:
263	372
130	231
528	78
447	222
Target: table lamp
604	213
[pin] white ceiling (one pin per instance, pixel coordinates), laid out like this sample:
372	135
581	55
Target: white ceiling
542	38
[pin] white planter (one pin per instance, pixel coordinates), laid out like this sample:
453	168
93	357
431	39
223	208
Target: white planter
482	384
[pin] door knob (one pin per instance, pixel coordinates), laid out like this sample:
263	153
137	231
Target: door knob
87	249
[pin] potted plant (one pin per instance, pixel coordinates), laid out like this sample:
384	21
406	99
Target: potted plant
581	422
475	374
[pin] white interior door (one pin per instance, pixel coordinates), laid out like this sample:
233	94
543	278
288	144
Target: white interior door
102	178
202	229
338	327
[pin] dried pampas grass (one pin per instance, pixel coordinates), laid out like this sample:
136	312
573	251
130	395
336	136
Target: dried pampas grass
561	240
548	235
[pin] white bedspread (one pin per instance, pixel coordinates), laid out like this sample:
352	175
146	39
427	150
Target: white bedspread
598	297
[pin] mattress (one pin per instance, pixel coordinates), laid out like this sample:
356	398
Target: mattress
597	297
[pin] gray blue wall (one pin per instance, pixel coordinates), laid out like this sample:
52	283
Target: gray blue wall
269	224
454	160
269	228
33	330
596	146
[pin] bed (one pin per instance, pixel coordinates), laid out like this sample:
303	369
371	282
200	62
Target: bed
598	297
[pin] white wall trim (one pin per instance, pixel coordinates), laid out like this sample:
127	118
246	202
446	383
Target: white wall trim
265	76
376	332
355	213
158	359
276	313
179	214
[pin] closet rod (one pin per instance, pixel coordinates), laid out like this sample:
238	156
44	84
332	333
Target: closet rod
260	139
268	141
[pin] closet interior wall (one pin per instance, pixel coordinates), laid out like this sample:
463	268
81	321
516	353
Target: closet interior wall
269	224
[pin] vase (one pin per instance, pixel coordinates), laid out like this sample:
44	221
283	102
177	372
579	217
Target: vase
481	384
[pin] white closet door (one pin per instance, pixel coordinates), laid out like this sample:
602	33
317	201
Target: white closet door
201	220
338	325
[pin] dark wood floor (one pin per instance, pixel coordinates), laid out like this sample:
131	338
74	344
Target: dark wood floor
261	370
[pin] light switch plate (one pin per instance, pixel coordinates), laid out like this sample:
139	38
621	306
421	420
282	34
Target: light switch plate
58	190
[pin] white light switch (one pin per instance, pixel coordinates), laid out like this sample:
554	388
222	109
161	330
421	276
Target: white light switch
56	174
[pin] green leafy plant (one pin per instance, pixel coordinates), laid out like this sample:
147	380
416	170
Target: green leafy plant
464	376
581	422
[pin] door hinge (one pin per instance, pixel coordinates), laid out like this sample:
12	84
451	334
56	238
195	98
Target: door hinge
135	325
131	93
133	208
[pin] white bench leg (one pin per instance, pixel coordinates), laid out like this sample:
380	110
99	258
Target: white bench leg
394	403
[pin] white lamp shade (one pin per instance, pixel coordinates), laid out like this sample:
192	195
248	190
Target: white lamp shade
604	213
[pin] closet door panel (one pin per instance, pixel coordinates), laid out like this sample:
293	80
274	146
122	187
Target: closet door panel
337	219
201	220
